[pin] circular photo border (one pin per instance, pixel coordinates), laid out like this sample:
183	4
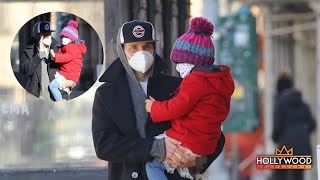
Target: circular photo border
56	56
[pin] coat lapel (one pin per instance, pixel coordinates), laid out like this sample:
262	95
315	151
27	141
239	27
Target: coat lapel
118	100
31	51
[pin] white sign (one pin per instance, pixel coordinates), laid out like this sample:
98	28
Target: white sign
14	109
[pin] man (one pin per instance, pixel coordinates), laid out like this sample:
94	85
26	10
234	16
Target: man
292	124
122	131
36	62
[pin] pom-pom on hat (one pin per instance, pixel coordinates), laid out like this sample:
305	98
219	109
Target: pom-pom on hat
70	31
195	46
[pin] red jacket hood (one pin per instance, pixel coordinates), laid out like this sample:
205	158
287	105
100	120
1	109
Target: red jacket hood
220	79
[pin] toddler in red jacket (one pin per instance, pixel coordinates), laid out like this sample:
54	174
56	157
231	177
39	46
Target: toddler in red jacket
69	59
202	101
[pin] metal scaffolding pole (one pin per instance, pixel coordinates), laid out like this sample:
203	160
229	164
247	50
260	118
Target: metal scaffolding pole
268	97
316	8
318	72
318	86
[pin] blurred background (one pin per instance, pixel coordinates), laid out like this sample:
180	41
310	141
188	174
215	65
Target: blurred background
257	38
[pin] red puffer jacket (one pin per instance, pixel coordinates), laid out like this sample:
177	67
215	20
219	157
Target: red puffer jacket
70	60
198	109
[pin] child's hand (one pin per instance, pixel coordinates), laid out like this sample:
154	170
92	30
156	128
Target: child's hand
52	53
149	103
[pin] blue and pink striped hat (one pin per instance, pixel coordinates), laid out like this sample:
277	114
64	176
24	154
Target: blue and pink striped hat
70	31
195	46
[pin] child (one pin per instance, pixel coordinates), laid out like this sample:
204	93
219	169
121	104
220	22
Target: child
69	58
202	101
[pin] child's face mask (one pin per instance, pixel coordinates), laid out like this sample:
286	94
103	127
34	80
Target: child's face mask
141	61
65	41
47	40
184	69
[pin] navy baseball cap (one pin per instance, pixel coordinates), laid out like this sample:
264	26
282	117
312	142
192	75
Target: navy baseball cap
137	31
42	27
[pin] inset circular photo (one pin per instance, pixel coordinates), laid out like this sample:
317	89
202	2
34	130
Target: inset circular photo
56	56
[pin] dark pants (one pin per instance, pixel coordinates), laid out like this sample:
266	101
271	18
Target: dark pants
282	174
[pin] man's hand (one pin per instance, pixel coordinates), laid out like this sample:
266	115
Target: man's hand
42	47
175	156
149	103
191	158
69	83
178	156
52	53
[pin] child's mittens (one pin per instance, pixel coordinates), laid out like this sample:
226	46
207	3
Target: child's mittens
52	53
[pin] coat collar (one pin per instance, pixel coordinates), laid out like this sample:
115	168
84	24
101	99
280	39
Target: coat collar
116	69
31	50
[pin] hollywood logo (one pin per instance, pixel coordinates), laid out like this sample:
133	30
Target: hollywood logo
286	153
284	159
138	31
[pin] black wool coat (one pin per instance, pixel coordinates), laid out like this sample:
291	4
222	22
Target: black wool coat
292	123
30	67
115	135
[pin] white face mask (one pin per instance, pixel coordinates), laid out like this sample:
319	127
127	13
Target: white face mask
65	41
184	69
141	61
47	40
